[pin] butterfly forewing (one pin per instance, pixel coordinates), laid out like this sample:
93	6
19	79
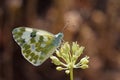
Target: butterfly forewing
36	45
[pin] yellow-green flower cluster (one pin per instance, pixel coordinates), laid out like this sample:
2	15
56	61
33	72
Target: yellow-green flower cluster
67	57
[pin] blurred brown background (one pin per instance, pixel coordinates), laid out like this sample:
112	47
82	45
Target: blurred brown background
95	24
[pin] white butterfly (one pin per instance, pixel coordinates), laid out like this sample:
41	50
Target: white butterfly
36	45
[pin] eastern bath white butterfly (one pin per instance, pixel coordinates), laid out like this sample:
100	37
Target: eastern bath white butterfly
36	45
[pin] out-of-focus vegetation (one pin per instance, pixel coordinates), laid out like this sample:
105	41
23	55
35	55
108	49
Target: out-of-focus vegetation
95	24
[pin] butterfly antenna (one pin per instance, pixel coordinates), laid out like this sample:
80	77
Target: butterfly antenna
63	41
64	28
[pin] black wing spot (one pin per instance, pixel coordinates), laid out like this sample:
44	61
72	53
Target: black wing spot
33	34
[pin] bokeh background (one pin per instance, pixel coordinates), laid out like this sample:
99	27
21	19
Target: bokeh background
94	24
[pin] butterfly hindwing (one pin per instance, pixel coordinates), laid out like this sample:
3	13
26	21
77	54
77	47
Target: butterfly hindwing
36	45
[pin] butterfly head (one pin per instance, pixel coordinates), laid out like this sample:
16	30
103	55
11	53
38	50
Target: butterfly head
58	38
59	35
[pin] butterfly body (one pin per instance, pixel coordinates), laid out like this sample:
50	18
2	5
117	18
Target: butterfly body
36	45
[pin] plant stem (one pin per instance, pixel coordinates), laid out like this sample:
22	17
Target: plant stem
71	73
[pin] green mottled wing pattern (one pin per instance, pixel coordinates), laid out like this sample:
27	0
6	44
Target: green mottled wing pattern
36	45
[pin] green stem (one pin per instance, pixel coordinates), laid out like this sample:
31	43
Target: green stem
71	73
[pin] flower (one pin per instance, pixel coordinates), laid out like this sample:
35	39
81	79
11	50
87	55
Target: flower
67	56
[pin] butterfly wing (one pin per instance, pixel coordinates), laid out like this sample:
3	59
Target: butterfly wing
36	45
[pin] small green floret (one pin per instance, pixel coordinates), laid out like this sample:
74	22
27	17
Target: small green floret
59	68
67	71
55	60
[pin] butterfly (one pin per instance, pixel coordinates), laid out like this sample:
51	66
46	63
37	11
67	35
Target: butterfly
36	45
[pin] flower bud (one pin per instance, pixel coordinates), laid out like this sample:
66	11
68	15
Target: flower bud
58	53
67	71
74	47
55	60
79	51
84	66
84	60
59	68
